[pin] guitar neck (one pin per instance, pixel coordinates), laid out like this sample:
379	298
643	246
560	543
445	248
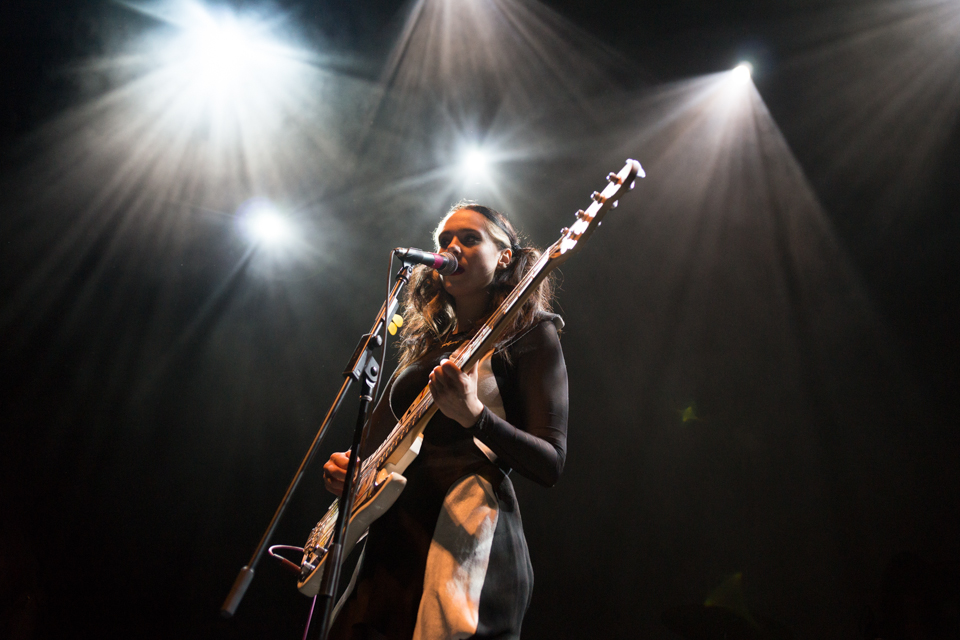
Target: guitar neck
415	419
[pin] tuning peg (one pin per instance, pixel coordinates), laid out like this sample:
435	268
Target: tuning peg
564	231
633	184
599	197
581	214
613	205
614	178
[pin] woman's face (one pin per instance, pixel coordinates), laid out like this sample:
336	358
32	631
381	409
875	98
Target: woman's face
465	235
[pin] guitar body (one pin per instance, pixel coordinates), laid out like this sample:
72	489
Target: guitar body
389	486
380	480
361	519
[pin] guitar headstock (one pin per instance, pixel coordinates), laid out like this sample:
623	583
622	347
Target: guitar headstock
588	220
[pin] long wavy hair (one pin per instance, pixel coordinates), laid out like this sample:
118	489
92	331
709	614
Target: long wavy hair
430	315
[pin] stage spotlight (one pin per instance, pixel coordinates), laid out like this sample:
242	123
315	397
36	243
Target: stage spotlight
475	163
221	56
217	51
223	71
741	73
265	226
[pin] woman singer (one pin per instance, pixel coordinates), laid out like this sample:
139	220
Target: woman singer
449	559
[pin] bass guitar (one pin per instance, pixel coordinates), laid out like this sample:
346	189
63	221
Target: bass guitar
380	479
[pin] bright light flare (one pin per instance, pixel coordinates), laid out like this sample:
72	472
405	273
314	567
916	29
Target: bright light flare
741	73
225	56
222	72
264	225
475	163
216	52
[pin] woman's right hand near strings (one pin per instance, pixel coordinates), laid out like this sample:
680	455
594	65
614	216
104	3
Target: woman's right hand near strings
335	472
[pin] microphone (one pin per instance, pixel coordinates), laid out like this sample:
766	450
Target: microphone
445	263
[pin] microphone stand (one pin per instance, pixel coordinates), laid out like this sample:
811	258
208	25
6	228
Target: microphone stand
363	368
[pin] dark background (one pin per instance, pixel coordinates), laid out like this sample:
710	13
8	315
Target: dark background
788	270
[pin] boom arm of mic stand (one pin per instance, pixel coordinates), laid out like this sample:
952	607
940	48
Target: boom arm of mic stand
352	372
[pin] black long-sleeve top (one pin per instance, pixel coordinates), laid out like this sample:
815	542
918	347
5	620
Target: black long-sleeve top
531	378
